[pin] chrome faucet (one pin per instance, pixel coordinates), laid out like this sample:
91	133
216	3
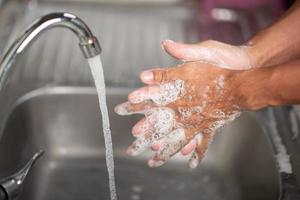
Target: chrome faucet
10	187
88	43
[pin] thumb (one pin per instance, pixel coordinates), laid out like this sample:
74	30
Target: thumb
213	52
185	52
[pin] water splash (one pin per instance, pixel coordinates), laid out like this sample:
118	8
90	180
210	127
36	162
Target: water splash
97	72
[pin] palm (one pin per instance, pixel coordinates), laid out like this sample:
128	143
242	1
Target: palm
213	52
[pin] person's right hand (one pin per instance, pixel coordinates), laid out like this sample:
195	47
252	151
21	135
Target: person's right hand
212	52
183	107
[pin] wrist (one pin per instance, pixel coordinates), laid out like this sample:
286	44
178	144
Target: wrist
270	48
259	54
253	56
255	90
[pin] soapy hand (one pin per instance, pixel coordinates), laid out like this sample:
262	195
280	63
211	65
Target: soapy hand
183	107
213	52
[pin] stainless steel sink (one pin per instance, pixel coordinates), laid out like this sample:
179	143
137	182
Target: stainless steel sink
65	121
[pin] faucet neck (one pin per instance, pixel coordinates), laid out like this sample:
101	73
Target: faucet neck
88	43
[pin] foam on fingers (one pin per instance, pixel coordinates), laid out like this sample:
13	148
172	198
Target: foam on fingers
174	142
128	108
143	94
141	127
138	146
158	123
168	92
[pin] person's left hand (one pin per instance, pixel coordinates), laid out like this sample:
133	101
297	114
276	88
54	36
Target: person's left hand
217	53
183	107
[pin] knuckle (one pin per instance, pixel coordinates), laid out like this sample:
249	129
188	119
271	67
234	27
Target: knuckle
164	76
161	76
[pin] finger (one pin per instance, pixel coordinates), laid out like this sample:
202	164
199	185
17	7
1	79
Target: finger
156	146
190	147
157	124
158	76
128	108
203	146
161	95
140	127
155	163
143	94
173	143
194	160
140	145
185	52
137	147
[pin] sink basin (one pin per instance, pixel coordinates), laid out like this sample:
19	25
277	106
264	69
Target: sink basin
66	123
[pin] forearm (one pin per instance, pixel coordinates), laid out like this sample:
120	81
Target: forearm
278	43
273	86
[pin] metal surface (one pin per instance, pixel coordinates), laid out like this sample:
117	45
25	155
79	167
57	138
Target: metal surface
66	123
13	184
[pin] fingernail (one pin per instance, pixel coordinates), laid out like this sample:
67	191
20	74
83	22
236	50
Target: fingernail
138	146
136	97
193	163
164	42
194	160
132	152
154	163
162	45
137	129
147	75
157	146
129	151
188	148
121	109
151	163
167	41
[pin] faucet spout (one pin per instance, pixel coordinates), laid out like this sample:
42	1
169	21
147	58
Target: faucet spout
11	187
88	43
